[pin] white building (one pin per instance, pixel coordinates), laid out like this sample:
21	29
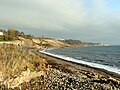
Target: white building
1	33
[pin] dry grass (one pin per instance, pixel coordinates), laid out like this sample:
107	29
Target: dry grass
16	59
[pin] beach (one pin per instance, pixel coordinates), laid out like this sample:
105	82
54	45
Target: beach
70	75
45	72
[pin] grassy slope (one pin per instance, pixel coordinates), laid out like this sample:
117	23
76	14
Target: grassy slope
14	60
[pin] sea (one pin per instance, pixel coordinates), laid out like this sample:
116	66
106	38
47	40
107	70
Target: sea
104	57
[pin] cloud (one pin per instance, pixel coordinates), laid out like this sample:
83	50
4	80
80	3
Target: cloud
86	19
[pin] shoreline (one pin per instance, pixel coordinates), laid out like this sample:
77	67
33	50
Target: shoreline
88	70
45	72
82	64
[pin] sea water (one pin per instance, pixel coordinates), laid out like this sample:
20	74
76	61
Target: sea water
105	57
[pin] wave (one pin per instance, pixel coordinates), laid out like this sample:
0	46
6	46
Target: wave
108	68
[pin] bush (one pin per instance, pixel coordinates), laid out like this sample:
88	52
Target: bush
1	38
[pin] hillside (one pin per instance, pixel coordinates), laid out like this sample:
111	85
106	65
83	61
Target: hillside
12	36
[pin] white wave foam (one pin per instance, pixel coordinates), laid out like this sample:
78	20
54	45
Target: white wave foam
108	68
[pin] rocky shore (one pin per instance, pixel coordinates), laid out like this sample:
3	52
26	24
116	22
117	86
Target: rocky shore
58	74
57	80
64	75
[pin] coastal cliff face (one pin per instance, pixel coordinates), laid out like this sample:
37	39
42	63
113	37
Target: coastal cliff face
49	43
37	42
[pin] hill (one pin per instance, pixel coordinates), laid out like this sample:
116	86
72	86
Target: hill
12	36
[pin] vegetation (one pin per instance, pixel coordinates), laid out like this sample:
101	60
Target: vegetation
46	45
16	59
71	42
12	34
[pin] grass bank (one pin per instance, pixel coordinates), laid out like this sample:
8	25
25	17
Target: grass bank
14	60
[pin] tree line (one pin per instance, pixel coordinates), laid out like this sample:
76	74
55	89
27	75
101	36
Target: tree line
12	34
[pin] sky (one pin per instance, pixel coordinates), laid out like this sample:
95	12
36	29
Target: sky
85	20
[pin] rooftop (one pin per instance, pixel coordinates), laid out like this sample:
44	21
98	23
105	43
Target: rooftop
1	33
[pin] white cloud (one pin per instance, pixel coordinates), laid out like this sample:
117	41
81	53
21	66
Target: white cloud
60	15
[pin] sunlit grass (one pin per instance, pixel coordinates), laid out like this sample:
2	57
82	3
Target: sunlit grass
15	59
